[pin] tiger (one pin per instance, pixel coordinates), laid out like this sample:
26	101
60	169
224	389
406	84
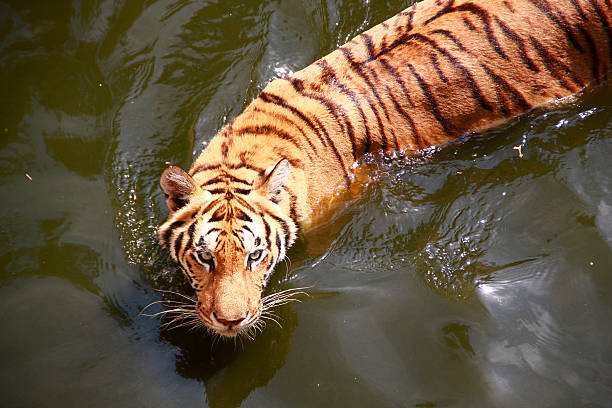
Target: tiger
435	71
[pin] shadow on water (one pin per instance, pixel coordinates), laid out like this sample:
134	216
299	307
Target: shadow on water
230	369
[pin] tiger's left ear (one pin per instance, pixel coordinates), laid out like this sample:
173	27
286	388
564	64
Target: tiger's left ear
177	185
275	178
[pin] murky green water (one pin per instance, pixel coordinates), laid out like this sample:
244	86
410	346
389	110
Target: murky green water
469	277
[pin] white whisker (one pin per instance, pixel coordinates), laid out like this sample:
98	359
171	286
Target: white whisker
274	320
164	312
187	323
176	293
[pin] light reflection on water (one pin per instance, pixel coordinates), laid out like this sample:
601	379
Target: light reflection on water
468	276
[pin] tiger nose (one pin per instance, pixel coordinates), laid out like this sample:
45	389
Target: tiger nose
229	323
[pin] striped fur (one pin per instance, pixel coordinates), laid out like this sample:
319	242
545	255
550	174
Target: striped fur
433	72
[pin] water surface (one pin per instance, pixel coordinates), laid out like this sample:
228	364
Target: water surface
466	277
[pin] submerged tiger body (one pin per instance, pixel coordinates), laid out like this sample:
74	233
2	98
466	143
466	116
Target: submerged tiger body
433	72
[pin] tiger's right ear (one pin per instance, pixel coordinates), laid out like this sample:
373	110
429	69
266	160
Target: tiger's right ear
177	186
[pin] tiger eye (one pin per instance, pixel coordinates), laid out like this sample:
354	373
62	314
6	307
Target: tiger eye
205	255
255	255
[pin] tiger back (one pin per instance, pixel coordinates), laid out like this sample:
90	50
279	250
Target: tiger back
433	72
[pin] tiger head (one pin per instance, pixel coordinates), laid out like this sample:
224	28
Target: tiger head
228	231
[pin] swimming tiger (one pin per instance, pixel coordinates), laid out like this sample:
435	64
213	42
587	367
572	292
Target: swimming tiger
433	72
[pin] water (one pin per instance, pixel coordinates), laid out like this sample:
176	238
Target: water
465	277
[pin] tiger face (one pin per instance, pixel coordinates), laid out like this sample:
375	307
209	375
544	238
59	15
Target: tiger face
227	238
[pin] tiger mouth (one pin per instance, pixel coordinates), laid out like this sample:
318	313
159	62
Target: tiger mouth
229	329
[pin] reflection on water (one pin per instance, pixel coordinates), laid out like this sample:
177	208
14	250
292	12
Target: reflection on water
467	276
221	365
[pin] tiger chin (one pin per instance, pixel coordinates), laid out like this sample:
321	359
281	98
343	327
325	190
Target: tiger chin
435	71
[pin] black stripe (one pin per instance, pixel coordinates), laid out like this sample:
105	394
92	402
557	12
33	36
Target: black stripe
384	142
269	130
234	233
204	167
217	191
277	100
236	166
245	203
469	24
520	43
257	239
358	69
285	228
332	108
368	136
236	179
418	141
224	148
484	17
369	46
486	20
451	37
603	19
400	81
329	77
241	215
243	191
559	20
193	257
218	215
409	13
516	95
554	65
268	230
177	245
170	230
440	13
292	206
221	238
468	75
231	166
210	205
401	39
593	51
285	119
278	243
578	9
295	163
210	231
186	272
434	61
215	180
446	125
190	232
